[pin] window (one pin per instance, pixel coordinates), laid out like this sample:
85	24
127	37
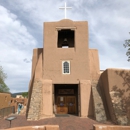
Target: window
66	67
65	38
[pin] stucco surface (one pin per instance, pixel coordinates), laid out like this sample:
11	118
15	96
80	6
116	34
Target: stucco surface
94	64
116	87
53	56
5	99
35	59
99	110
47	109
85	91
110	127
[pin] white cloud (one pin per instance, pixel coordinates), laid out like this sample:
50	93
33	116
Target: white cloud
16	44
21	29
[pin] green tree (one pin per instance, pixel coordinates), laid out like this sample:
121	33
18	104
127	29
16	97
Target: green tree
25	94
3	86
127	45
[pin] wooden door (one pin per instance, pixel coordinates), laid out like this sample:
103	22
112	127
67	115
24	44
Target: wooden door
71	103
62	107
66	104
61	101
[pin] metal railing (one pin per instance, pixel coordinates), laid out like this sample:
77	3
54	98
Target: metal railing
6	111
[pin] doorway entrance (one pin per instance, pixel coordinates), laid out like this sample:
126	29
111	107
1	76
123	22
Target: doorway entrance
66	98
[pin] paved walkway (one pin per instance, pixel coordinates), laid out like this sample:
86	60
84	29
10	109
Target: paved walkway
65	123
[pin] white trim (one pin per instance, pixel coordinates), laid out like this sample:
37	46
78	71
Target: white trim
65	28
63	66
65	47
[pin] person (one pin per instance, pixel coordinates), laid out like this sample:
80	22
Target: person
22	106
19	107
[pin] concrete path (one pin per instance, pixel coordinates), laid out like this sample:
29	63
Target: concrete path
65	123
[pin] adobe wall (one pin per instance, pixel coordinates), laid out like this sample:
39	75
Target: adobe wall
110	127
35	57
99	110
43	127
38	52
5	99
95	74
47	99
34	107
106	97
116	87
94	64
85	92
78	56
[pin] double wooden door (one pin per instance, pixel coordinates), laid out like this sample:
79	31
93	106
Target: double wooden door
68	103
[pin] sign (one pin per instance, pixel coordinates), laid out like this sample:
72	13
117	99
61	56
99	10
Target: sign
61	99
66	91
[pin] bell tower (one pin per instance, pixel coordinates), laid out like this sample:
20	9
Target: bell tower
66	40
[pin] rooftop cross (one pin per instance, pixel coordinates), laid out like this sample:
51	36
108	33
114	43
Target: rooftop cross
65	9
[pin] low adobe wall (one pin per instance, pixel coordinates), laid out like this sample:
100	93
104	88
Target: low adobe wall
115	85
43	127
94	64
5	99
110	127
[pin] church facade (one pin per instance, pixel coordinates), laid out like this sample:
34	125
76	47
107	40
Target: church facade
66	77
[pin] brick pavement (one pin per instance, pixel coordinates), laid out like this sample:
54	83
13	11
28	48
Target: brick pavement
65	123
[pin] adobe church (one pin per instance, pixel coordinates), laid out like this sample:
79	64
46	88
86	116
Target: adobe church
66	78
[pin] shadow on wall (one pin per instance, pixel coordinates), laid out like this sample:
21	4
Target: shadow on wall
91	107
121	96
99	110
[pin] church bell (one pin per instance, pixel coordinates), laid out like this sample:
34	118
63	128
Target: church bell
65	42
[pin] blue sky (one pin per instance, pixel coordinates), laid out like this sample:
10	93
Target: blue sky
21	30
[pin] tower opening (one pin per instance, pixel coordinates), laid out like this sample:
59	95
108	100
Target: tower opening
65	38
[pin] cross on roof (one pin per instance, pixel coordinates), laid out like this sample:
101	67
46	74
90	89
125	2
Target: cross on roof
65	7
